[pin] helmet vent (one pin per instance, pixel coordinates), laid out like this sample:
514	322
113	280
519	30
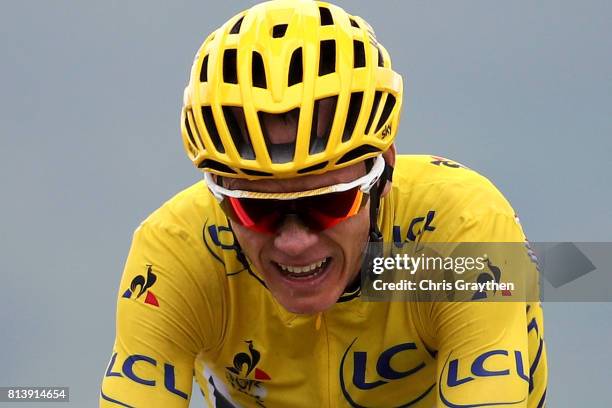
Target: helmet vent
322	123
258	71
326	17
295	67
358	54
358	152
211	127
377	96
352	115
204	70
327	59
229	66
215	165
280	152
256	173
189	116
381	61
354	23
236	28
312	168
387	109
234	117
279	30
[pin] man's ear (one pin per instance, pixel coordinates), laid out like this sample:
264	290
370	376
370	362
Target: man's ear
389	157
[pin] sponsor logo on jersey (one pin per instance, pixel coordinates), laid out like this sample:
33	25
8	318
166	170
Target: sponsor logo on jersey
495	275
417	227
132	368
244	376
489	364
441	161
141	285
222	237
380	376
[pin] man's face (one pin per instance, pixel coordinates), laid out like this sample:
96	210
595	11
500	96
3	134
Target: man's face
335	253
338	248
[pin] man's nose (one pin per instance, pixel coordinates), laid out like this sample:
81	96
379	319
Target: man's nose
293	237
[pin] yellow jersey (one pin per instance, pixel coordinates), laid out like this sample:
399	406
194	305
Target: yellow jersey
189	304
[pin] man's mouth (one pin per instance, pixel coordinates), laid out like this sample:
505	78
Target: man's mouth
303	271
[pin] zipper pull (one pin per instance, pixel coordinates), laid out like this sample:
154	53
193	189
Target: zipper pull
318	321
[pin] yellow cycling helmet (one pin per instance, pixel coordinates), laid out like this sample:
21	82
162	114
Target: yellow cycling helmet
286	59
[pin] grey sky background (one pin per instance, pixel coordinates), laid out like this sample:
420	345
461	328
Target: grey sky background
90	93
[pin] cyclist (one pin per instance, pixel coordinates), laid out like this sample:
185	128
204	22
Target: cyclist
249	281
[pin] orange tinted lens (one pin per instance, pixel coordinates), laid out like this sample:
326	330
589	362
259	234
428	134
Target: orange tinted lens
327	210
255	214
317	212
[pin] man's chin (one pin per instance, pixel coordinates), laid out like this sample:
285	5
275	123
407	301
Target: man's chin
307	306
306	303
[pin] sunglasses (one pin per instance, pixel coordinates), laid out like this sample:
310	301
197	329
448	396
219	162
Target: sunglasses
317	209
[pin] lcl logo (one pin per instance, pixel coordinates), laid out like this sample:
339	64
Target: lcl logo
417	227
386	374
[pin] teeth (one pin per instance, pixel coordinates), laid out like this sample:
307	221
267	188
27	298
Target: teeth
301	269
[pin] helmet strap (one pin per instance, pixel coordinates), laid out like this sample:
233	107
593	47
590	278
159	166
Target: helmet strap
373	247
375	197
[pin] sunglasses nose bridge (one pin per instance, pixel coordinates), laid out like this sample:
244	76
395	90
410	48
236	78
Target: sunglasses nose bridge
286	210
293	237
